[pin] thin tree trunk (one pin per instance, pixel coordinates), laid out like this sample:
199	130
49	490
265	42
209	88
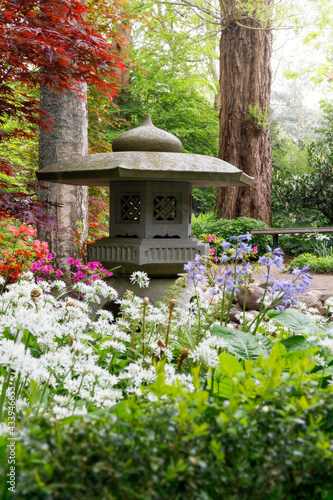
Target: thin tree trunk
245	82
69	137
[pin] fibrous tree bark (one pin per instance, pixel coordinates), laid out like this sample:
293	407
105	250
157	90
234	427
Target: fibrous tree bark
68	137
245	86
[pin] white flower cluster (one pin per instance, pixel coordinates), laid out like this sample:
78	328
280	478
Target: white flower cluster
71	359
53	342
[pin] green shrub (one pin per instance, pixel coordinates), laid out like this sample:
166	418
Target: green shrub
317	264
225	228
187	447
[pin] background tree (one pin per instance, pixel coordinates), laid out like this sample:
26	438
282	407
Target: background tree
245	86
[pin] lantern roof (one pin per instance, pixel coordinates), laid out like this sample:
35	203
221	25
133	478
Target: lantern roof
145	153
147	137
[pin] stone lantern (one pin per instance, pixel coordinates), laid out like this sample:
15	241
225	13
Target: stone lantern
150	182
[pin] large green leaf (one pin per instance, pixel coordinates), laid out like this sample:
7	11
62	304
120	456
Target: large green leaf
298	343
265	343
297	322
241	344
228	368
223	386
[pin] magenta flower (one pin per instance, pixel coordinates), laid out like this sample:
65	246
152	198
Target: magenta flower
49	256
70	260
93	265
59	272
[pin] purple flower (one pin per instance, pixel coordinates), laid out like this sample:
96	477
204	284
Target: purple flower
246	236
189	267
224	258
225	245
278	251
245	248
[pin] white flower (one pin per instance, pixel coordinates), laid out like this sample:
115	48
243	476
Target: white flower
115	345
140	278
204	354
327	343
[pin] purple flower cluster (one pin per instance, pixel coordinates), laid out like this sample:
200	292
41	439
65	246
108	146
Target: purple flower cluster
232	277
286	289
195	270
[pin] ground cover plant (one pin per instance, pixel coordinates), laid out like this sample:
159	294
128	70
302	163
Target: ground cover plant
316	264
170	400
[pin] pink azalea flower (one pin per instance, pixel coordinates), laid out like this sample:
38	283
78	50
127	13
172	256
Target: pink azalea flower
255	249
14	230
59	272
212	251
70	260
209	239
49	256
93	265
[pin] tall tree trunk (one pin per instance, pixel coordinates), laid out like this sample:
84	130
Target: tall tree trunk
69	137
245	84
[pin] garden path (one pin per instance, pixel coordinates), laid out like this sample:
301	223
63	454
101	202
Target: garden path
320	281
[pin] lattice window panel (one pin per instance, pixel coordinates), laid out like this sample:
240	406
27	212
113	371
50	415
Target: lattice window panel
165	208
130	208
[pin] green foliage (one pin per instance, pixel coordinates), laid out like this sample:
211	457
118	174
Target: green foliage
300	243
317	264
203	200
225	228
275	445
313	190
298	323
177	107
287	157
172	82
242	344
260	119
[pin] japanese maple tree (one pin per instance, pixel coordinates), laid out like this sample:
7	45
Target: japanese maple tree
48	43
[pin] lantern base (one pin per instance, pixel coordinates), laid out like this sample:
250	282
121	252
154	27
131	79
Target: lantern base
158	257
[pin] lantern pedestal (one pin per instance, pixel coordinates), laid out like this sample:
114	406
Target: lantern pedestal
159	257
